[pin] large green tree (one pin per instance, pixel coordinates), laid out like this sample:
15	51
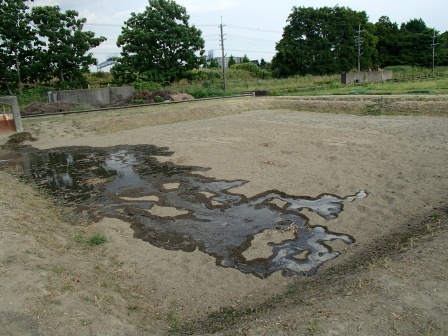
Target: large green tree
388	45
66	45
442	49
159	44
16	41
416	41
321	41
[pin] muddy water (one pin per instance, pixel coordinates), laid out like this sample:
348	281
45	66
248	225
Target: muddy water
173	208
7	123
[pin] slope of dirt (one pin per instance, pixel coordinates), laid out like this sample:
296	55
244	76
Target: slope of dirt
62	273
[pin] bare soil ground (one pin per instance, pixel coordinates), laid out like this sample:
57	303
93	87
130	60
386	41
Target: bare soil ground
391	281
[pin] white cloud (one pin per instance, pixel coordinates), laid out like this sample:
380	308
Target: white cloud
207	6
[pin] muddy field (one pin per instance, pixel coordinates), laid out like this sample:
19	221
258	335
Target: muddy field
358	197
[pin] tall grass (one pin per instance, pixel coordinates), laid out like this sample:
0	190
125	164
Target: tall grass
205	83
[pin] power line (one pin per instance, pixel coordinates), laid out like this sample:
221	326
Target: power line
250	38
256	29
254	51
120	25
102	24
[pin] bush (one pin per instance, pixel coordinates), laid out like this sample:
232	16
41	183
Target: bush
203	75
98	74
140	85
248	66
207	92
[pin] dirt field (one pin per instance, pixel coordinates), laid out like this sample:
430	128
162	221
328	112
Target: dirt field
391	281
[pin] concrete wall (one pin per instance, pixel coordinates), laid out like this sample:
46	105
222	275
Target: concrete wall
365	77
92	97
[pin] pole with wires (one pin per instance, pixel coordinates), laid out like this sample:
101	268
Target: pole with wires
223	63
358	40
434	44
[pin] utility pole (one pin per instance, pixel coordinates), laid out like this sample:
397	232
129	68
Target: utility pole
433	51
221	26
358	40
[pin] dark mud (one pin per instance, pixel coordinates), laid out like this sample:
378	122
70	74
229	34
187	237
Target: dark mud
173	208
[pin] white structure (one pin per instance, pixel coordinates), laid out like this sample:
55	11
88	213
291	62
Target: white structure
211	56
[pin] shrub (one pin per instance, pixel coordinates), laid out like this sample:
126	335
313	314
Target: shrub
248	66
141	85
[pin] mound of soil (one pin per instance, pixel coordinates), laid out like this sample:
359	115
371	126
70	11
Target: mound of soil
150	97
18	138
144	97
38	107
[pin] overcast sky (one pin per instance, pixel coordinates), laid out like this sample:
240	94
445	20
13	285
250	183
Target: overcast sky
252	27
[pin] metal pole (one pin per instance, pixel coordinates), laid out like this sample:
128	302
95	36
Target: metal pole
223	57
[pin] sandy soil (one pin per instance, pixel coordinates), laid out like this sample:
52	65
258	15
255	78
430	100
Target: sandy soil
51	283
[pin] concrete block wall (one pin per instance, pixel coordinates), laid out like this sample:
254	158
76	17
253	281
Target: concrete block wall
365	77
92	97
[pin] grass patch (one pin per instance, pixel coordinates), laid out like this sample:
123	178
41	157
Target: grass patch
97	239
177	326
94	240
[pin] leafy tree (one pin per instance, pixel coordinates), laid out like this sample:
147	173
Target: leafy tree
16	41
158	44
388	47
321	41
442	49
245	59
65	52
264	64
416	43
231	61
369	51
213	64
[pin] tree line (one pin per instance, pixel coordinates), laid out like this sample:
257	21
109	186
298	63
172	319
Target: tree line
321	41
44	44
41	44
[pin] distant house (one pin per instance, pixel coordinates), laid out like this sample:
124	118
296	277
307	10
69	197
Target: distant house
238	60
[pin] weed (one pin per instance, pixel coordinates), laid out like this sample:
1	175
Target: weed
134	308
97	239
78	238
85	322
90	298
138	101
57	270
174	321
67	288
435	216
313	328
107	284
10	259
82	107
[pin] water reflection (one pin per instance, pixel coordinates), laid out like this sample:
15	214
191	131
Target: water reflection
171	207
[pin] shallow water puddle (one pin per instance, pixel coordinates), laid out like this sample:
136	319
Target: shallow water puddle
173	208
